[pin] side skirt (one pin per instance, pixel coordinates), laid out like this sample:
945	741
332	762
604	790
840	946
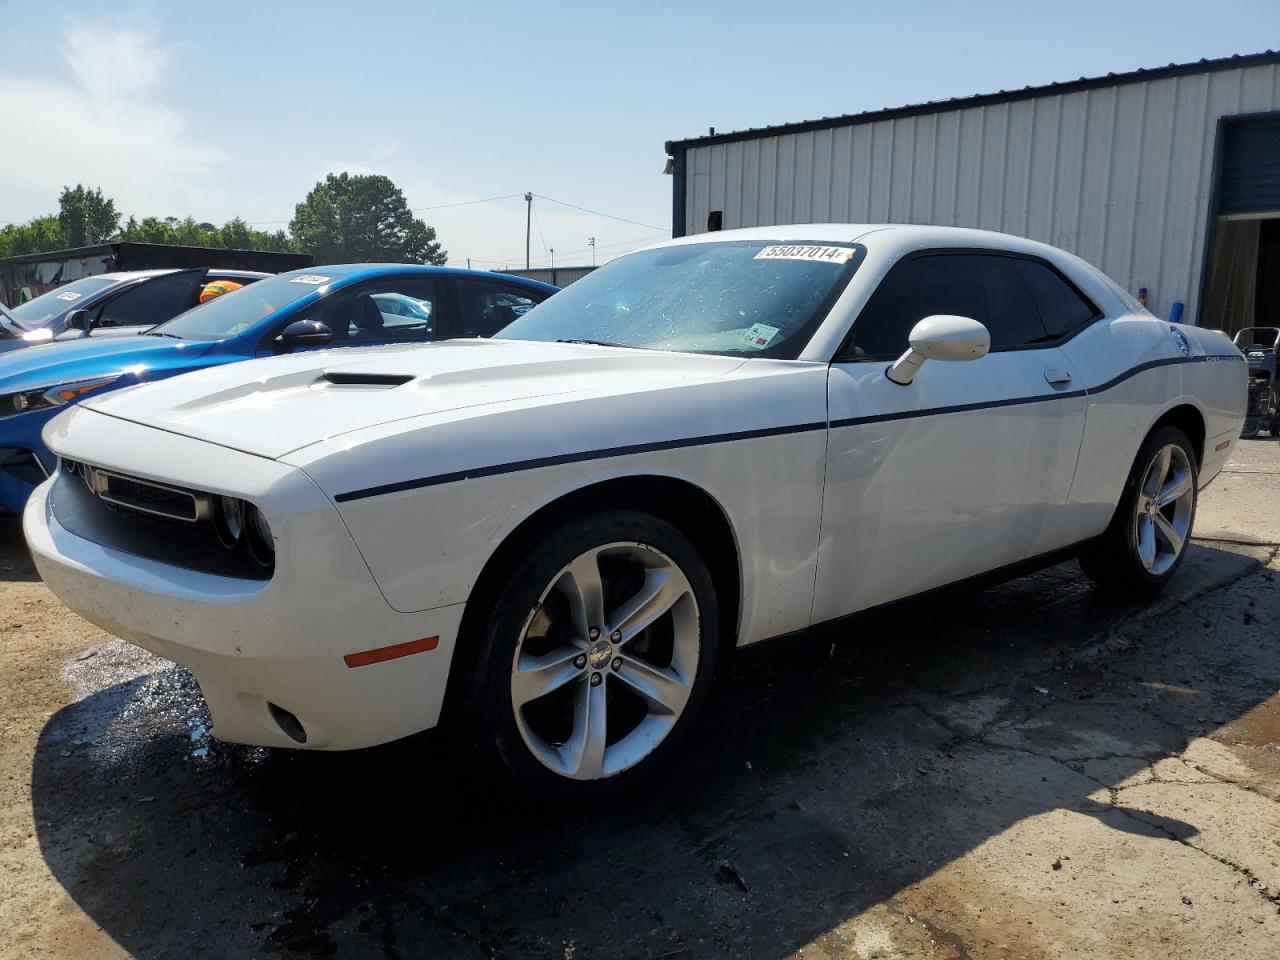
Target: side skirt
972	584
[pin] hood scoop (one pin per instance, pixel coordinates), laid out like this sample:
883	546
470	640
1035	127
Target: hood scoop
358	379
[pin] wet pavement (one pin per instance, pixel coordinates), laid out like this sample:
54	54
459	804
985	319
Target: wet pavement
1031	771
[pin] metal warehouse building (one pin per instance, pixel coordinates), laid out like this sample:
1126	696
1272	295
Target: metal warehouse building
1167	179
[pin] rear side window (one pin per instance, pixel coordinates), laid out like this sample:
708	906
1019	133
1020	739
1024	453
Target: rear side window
153	301
982	287
1062	309
486	307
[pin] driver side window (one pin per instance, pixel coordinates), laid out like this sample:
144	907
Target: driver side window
152	301
983	287
395	310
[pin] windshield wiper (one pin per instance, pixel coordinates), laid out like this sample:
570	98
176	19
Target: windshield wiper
155	333
598	343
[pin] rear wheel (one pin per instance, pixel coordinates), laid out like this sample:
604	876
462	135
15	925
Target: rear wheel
1147	539
597	653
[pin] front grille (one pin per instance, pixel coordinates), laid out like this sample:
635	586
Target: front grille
134	494
154	520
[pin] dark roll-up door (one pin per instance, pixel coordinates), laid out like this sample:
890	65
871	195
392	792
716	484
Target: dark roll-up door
1250	167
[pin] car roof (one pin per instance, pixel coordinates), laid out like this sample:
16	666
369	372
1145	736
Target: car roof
122	275
351	272
895	234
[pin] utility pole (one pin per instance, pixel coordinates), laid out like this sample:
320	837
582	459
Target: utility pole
553	258
468	263
591	242
528	219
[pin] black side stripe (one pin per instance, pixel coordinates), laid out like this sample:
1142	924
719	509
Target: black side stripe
519	465
1018	401
499	469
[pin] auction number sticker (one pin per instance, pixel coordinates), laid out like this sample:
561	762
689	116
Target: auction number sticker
69	295
806	252
313	279
759	335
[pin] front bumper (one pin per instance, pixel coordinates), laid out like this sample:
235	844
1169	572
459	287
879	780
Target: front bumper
250	643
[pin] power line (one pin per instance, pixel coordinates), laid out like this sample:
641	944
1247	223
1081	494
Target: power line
463	203
597	213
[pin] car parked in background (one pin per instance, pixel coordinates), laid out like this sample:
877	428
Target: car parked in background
115	304
1261	347
332	306
559	532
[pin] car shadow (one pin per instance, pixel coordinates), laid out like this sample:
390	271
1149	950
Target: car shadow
15	562
829	772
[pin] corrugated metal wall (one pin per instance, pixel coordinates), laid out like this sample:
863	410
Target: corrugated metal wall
1120	175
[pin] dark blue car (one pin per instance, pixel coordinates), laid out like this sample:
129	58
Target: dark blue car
332	306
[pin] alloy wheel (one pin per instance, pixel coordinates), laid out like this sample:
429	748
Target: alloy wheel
1166	501
606	661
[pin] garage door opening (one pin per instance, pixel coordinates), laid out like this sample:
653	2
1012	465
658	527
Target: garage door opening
1244	274
1243	283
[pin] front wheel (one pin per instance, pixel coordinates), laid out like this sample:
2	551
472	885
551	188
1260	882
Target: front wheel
1147	538
598	651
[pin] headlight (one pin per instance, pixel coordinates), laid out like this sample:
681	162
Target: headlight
262	546
228	520
58	395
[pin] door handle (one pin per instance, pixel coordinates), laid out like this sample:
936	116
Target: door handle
1057	378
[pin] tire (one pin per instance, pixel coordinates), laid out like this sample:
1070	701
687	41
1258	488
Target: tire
532	644
1146	542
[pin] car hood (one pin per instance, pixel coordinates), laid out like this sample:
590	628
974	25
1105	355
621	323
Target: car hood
52	363
274	406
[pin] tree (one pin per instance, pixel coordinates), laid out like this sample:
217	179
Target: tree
37	236
86	216
355	219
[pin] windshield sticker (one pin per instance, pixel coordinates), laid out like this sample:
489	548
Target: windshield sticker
759	335
314	279
806	252
69	295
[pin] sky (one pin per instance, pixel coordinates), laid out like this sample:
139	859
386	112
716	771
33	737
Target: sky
238	109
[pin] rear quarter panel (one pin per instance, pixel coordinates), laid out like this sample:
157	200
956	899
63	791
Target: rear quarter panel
1135	372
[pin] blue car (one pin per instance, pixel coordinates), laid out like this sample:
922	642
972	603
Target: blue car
332	306
115	303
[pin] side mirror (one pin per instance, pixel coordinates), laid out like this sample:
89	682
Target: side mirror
79	320
940	337
303	333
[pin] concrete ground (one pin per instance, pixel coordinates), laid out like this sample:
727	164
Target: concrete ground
1033	771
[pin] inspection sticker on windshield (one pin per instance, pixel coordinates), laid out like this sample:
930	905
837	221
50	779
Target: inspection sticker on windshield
312	278
69	295
806	252
759	335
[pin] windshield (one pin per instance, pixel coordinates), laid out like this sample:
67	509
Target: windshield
743	297
233	313
39	311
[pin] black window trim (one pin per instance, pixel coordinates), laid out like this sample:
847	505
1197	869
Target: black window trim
841	355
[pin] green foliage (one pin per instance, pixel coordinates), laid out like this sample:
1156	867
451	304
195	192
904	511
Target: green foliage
343	219
354	219
86	216
235	234
37	236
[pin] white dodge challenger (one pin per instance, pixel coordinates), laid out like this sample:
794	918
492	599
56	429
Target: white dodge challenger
554	534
